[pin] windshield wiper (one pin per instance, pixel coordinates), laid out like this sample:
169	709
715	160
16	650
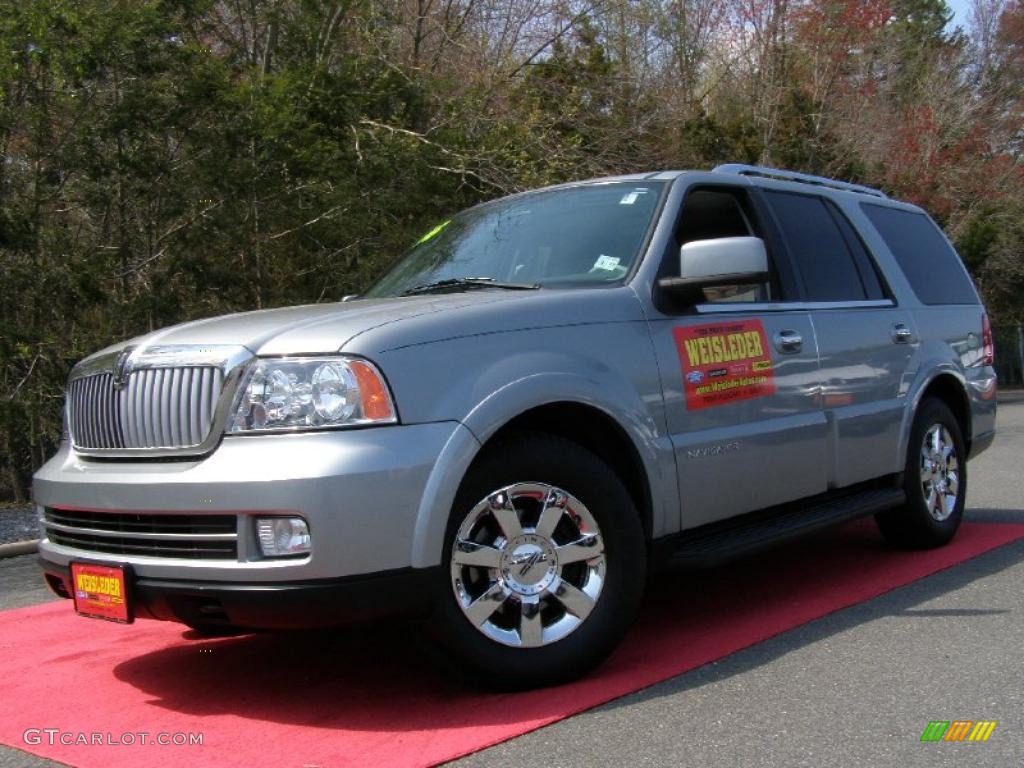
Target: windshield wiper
467	282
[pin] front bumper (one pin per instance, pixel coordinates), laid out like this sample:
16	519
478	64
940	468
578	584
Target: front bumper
360	491
285	605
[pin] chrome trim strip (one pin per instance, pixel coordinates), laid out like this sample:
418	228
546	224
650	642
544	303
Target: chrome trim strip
106	532
223	356
790	306
168	553
95	365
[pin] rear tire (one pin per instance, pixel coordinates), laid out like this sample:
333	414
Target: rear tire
549	568
934	480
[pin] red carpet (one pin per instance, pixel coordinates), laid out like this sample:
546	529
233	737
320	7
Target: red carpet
368	697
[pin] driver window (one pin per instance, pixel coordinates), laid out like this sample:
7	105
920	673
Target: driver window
709	214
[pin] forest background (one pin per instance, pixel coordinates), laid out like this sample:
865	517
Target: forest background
167	160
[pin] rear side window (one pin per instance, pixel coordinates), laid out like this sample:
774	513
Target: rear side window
819	248
926	258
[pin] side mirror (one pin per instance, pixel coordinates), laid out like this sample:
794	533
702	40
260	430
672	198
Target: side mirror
722	261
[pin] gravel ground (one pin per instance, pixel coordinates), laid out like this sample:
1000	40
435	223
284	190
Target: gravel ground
18	525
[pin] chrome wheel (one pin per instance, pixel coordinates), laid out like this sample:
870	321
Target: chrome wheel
528	564
940	472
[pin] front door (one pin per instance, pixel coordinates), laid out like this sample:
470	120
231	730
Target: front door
740	377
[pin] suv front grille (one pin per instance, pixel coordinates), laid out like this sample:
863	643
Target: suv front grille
157	408
202	537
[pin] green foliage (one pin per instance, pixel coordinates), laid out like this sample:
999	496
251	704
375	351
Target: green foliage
979	237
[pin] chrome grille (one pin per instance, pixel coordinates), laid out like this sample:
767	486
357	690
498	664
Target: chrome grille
203	537
158	408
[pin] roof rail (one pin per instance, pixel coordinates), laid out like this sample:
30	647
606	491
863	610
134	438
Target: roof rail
803	178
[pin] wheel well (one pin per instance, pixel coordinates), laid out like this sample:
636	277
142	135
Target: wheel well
949	390
596	431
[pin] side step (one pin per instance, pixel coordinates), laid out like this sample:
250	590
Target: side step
718	542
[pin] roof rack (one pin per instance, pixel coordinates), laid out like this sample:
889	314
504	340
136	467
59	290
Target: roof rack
803	178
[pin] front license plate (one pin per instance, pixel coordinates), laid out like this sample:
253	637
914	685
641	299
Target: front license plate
101	592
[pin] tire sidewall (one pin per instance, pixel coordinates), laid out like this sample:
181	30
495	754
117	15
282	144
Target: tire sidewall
931	413
561	463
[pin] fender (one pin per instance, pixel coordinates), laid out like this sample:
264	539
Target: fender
439	495
928	372
615	398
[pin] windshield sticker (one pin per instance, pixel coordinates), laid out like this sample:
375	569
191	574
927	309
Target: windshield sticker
724	363
631	197
433	233
607	263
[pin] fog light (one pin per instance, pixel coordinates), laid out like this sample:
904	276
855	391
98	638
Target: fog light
281	536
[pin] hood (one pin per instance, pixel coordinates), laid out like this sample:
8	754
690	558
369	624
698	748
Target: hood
309	329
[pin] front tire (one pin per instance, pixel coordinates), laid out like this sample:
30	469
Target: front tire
544	565
934	480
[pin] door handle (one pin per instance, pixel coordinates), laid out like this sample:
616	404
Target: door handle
901	334
789	341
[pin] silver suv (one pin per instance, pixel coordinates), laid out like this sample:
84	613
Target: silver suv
548	396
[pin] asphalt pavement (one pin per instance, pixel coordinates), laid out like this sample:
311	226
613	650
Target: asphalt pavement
855	688
18	524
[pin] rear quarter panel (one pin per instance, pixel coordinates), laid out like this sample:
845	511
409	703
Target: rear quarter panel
951	345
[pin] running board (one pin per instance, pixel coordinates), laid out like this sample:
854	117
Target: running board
718	542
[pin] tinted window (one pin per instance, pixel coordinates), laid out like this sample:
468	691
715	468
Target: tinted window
823	257
869	273
709	214
924	255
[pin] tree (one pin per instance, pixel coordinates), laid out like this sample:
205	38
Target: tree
163	161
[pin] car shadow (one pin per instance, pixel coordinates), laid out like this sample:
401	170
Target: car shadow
390	677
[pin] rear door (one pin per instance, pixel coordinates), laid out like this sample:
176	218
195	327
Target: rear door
865	341
740	375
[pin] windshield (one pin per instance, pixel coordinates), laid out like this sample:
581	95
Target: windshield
578	236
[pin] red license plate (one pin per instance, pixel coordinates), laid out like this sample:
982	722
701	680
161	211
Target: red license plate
101	592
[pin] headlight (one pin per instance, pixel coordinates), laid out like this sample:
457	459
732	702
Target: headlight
311	393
